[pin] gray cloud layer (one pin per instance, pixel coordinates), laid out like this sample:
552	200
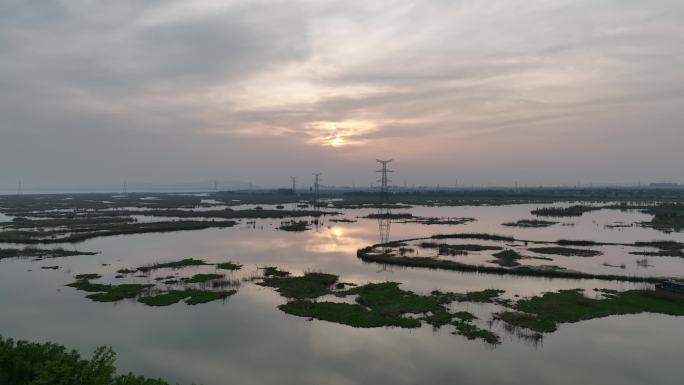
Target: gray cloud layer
489	92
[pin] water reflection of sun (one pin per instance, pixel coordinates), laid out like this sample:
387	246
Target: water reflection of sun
336	239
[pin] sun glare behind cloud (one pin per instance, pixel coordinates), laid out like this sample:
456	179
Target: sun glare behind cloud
339	134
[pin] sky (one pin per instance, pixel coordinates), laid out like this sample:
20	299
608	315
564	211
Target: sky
486	92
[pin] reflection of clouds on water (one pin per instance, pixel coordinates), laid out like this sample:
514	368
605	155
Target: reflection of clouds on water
262	244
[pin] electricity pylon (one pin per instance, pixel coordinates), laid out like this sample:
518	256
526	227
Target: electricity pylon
384	189
316	176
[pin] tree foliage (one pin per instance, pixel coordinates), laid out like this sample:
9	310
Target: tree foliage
29	363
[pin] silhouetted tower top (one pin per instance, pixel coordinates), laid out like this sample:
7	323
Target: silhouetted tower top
294	184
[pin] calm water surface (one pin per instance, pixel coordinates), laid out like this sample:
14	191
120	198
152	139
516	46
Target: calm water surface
247	340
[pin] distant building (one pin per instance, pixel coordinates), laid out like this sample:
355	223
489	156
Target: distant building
664	185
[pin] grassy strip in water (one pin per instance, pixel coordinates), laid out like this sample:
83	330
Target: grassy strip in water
480	236
271	271
384	304
109	293
445	247
507	258
201	278
310	285
438	221
529	223
32	252
295	226
70	222
389	216
545	313
666	217
565	251
82	234
345	313
473	332
191	297
168	265
667	249
572	211
88	276
29	363
229	266
370	255
343	220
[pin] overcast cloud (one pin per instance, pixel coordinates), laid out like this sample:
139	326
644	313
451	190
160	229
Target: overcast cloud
489	92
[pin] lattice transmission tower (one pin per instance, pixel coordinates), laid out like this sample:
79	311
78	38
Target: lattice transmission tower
316	176
384	181
384	221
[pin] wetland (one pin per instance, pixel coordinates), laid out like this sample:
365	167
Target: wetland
425	278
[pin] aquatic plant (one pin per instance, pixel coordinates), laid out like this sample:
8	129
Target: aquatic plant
566	251
544	313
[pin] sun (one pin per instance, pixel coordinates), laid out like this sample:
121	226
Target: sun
339	133
336	142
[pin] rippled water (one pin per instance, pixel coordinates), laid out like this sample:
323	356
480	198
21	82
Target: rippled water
247	340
